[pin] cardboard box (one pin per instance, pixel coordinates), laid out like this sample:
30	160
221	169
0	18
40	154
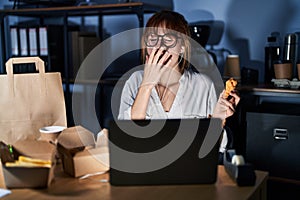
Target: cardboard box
29	177
79	153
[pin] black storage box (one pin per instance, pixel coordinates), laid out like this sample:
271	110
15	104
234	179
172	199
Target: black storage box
272	144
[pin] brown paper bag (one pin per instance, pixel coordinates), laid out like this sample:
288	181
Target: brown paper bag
29	101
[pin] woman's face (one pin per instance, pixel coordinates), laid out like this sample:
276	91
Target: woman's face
166	39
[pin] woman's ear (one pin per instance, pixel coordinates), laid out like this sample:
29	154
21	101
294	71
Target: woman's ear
182	50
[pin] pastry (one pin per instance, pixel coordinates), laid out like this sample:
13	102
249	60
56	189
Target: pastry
230	85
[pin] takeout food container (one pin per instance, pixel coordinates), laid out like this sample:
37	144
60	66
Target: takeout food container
79	153
28	176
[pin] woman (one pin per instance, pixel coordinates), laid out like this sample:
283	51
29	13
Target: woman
168	87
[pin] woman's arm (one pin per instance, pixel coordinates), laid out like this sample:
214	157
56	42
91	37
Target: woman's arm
129	93
139	107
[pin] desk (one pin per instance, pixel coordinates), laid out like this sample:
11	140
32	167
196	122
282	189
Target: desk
65	187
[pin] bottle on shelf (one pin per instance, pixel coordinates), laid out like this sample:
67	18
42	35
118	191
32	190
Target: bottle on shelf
272	55
290	51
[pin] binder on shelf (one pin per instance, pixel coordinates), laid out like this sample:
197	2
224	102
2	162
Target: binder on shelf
14	41
43	40
23	42
87	41
75	60
33	48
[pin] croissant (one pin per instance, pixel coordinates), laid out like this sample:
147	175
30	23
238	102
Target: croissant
230	85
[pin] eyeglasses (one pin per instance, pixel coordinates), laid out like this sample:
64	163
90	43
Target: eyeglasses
169	40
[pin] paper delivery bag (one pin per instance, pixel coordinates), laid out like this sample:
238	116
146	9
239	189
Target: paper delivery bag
29	101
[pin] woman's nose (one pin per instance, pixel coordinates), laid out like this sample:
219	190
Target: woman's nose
160	43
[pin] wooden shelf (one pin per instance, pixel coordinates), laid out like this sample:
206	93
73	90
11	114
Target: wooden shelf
269	90
120	8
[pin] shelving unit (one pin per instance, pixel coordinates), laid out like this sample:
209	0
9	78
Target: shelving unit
136	8
64	13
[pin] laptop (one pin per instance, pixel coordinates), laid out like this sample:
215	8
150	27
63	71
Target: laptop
164	152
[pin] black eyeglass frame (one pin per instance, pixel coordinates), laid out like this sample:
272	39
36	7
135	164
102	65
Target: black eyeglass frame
162	39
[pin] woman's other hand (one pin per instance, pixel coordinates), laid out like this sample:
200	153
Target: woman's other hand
226	107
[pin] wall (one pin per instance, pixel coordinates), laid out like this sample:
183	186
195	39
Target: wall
4	2
247	23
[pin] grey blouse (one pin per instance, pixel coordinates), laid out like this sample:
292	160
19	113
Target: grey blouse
196	98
